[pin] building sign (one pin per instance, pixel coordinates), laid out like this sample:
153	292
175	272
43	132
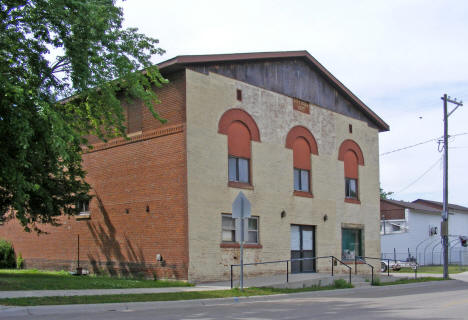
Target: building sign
301	105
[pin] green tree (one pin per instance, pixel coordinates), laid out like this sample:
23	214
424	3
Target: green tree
384	194
49	50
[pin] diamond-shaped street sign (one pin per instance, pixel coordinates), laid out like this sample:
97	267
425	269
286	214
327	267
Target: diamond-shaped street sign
241	207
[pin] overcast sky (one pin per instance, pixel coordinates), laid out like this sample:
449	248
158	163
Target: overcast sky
399	57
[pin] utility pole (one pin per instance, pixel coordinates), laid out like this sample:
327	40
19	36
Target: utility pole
444	224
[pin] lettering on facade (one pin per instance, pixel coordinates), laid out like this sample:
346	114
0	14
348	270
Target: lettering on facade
301	105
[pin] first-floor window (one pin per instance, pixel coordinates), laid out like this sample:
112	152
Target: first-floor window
83	206
351	188
229	229
351	243
238	169
301	180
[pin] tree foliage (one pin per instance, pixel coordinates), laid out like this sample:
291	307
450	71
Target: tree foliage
51	50
384	194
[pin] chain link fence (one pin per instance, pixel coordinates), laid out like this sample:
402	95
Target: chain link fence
427	256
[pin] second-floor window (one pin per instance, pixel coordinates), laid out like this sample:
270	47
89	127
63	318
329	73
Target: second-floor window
239	153
238	169
301	180
351	175
301	159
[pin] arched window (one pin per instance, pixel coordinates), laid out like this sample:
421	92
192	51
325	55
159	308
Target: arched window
239	152
303	143
301	160
351	175
350	153
240	128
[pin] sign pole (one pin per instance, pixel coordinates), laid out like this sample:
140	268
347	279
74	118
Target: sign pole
241	212
242	247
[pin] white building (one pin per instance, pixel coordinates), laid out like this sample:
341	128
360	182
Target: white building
411	230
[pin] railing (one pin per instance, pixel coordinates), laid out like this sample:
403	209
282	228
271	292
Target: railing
356	258
388	264
333	259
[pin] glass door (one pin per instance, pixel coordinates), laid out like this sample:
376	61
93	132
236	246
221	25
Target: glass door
302	246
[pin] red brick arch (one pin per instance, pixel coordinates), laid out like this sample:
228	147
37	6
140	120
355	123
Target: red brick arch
350	145
240	115
301	132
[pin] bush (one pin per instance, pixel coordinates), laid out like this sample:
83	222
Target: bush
342	284
19	261
7	255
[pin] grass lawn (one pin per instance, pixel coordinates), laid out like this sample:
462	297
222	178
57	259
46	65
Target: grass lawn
167	296
436	269
404	281
62	280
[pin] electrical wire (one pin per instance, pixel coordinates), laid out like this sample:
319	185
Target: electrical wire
421	176
424	142
408	147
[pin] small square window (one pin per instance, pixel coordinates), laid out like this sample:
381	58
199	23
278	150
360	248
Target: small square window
301	180
229	229
351	188
238	169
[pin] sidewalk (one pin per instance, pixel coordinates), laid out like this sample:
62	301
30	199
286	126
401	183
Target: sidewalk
279	281
299	280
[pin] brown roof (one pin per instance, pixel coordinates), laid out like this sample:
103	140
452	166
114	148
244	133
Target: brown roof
440	205
412	205
180	62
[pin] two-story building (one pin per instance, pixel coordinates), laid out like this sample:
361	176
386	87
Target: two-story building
277	126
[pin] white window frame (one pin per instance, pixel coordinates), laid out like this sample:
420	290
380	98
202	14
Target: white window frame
232	229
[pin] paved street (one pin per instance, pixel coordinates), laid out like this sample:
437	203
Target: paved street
431	300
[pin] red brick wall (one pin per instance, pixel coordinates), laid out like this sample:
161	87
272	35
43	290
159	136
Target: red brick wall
390	211
148	171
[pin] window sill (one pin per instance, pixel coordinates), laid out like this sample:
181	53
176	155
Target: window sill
237	245
241	185
83	216
303	194
350	200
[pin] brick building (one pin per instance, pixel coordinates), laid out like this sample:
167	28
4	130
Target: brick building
278	126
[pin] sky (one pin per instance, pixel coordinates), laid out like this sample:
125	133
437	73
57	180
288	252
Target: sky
398	57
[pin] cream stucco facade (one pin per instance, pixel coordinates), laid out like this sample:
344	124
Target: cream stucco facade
208	96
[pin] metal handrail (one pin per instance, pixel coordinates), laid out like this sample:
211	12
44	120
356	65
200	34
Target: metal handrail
388	266
372	267
333	258
380	259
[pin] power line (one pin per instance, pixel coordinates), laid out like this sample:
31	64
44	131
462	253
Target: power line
420	143
408	147
421	176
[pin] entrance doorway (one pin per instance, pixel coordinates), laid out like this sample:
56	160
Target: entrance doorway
302	246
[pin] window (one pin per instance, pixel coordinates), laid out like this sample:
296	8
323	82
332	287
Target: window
240	129
84	207
350	153
351	175
229	229
238	169
351	243
239	153
301	180
301	160
351	188
393	226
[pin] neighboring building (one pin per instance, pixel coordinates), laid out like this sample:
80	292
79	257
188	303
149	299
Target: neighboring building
277	126
412	230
